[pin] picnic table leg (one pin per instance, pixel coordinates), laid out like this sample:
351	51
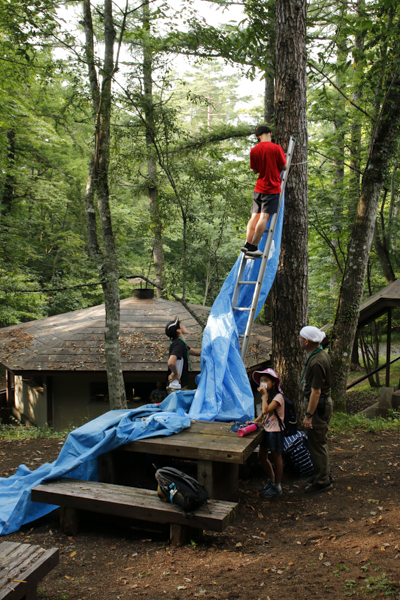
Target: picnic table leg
69	520
181	534
106	468
32	594
221	480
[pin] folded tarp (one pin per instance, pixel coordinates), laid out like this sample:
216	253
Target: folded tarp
78	458
224	392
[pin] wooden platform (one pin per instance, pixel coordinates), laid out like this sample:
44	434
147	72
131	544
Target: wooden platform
129	502
22	567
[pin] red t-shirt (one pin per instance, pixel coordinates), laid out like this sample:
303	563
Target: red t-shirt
268	159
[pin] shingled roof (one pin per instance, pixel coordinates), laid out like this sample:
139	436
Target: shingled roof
377	304
75	341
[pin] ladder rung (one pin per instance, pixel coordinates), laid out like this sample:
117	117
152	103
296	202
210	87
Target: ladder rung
247	282
241	308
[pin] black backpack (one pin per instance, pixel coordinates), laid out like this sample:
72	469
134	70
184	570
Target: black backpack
180	489
289	424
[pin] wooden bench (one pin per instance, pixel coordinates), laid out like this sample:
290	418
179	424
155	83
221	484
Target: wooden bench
130	502
22	566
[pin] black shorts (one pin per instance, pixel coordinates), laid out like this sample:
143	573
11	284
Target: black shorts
265	203
273	441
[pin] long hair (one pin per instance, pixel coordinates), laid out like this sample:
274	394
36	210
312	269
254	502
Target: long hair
273	391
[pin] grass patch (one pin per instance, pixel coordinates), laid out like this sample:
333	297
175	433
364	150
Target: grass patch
29	432
365	386
342	422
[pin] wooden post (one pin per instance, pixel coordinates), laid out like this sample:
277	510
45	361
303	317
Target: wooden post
106	468
388	345
221	480
49	400
181	534
9	389
69	520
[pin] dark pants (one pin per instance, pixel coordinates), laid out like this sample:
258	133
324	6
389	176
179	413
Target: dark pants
318	443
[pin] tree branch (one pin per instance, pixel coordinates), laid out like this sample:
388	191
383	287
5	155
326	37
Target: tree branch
339	90
332	159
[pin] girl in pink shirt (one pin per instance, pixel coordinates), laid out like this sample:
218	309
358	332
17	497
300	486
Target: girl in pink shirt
273	409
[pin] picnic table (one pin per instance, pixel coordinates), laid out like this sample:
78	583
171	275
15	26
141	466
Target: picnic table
217	451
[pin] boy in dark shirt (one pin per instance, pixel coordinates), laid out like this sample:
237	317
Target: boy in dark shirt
179	360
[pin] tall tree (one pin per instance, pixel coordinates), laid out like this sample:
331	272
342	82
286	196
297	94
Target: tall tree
105	258
382	144
290	287
151	133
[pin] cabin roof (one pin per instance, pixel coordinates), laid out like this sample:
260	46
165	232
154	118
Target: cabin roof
74	341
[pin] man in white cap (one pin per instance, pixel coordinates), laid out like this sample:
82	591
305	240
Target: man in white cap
316	383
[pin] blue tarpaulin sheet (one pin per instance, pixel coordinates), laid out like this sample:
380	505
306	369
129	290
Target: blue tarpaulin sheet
223	394
78	458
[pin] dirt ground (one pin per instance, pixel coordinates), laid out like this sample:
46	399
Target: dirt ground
342	543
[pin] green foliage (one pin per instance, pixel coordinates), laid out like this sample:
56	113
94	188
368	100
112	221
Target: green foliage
342	422
16	431
382	586
200	128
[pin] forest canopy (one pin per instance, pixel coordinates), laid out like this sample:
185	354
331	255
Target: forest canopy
179	133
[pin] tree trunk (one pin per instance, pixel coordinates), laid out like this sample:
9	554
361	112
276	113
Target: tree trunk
156	225
383	255
381	149
106	259
355	139
269	89
269	94
355	359
338	153
290	287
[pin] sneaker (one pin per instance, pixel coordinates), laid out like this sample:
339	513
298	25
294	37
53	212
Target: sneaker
254	254
249	247
312	479
271	491
316	488
266	486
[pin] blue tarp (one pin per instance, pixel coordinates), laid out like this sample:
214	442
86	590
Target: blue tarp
78	458
224	392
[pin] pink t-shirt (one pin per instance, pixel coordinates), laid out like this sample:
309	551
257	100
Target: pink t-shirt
272	423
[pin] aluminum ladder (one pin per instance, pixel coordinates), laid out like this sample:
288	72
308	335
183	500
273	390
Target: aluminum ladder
257	284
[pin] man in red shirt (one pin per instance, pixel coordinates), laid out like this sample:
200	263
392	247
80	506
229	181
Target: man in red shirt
268	160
